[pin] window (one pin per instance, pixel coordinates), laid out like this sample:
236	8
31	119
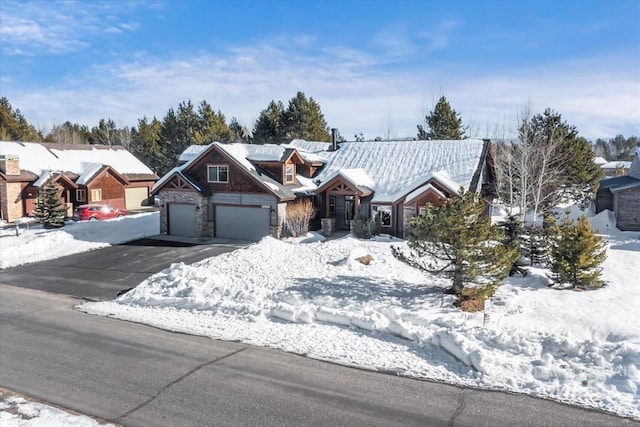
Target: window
383	213
218	173
96	195
289	173
332	204
422	210
81	195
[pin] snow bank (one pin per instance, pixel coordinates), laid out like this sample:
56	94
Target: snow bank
16	411
318	300
38	244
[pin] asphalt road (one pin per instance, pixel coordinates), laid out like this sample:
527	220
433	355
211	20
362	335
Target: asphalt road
138	375
101	274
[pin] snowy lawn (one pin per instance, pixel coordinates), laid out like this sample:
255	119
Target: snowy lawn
318	300
38	244
16	411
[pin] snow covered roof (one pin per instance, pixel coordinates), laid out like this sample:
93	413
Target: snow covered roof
600	160
79	159
399	167
90	170
392	169
419	191
615	164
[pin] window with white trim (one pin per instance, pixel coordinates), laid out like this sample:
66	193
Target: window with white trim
383	212
96	195
289	173
218	173
81	195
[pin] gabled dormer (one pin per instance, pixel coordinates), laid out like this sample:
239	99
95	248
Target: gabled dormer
283	169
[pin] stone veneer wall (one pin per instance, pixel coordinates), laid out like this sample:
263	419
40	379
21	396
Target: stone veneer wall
328	226
203	228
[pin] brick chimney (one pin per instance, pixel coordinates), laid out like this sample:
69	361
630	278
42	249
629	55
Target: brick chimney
10	164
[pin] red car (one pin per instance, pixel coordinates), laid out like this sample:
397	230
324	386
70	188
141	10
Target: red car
95	212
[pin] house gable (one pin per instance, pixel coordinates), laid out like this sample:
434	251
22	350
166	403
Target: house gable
342	186
239	178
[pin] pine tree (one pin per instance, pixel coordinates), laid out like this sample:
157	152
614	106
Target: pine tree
146	144
304	120
456	239
269	128
49	208
513	232
577	253
211	126
580	175
240	133
442	123
14	126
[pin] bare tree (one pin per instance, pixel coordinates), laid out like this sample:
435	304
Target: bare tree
529	169
389	132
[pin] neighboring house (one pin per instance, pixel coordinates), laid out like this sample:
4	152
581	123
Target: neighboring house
615	168
621	195
85	173
241	191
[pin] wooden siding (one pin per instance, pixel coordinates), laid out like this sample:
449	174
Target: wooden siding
239	180
628	209
243	199
112	189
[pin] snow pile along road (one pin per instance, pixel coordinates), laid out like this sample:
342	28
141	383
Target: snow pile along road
319	300
38	244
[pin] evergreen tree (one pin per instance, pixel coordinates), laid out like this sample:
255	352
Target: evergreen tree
442	123
457	240
573	153
49	208
146	144
513	232
576	254
14	126
211	126
304	120
240	133
269	128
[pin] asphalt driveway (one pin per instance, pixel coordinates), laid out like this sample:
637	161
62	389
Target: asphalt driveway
102	274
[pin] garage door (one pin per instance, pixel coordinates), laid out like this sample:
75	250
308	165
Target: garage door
135	196
182	220
235	222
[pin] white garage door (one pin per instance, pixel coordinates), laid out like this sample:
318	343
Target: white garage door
182	220
135	196
236	222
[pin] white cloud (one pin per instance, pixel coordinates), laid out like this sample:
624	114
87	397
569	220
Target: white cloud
57	27
357	91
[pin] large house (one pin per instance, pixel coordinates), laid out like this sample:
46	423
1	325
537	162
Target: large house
621	195
242	191
85	173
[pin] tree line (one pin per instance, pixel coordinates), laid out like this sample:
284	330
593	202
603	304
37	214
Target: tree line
159	142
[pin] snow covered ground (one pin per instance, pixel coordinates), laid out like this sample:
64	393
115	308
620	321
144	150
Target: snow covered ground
15	411
318	300
37	244
315	298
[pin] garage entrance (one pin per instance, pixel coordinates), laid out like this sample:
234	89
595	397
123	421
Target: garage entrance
237	222
134	197
182	220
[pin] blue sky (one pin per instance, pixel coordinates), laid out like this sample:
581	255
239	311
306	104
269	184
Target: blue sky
374	67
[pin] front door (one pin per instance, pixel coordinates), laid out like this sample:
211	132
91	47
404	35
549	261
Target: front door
349	211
